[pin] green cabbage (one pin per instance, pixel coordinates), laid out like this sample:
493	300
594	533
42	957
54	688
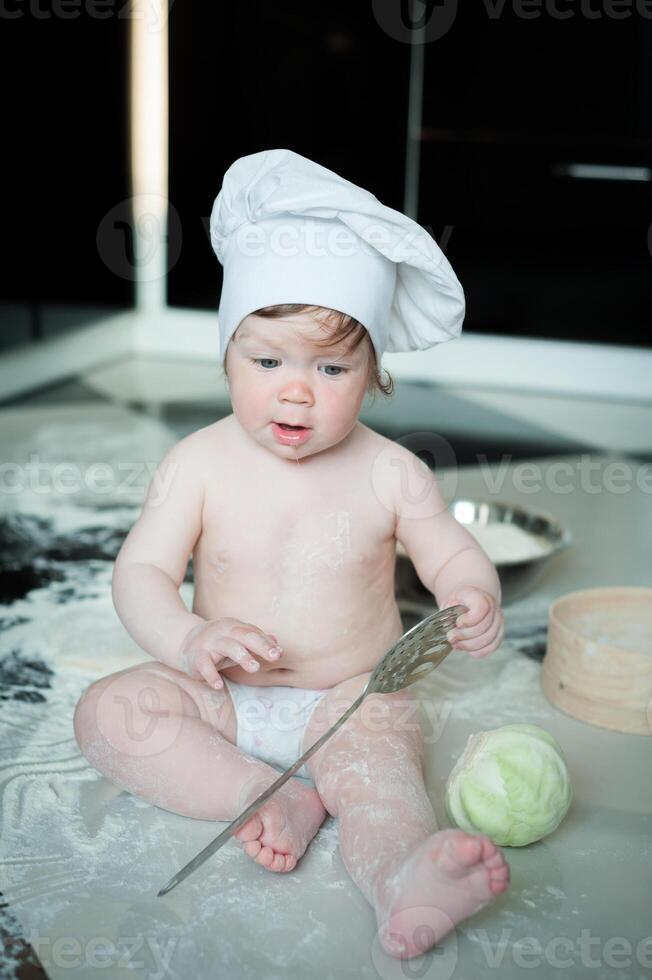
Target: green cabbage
511	783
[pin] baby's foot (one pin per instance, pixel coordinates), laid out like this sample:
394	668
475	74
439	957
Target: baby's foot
442	880
279	833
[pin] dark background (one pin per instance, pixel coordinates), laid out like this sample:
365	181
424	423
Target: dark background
507	103
64	163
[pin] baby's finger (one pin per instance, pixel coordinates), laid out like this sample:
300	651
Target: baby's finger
475	600
477	643
479	608
490	647
227	647
189	662
468	632
210	673
262	644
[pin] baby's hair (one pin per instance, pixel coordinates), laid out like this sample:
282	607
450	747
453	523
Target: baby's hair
345	326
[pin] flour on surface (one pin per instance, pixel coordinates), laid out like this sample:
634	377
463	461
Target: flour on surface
508	542
79	857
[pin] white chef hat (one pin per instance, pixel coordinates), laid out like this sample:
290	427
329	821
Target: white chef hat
288	230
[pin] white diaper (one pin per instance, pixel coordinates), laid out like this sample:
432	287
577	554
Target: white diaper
271	721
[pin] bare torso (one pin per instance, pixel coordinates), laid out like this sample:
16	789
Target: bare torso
303	551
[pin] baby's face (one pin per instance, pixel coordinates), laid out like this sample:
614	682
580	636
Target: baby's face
277	374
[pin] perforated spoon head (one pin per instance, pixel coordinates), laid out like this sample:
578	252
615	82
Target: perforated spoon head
418	651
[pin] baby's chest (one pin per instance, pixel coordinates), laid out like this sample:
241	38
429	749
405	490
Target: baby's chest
340	533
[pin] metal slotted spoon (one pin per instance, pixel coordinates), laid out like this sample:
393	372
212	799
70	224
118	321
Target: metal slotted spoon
423	646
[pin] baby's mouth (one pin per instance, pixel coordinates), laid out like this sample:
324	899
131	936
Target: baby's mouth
293	428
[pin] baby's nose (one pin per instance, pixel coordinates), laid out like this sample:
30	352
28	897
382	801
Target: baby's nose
297	390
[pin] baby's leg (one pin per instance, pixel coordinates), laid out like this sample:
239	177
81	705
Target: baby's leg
170	740
370	775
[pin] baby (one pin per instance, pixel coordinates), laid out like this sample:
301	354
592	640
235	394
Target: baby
291	509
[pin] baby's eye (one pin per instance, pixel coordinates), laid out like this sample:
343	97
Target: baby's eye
259	360
337	368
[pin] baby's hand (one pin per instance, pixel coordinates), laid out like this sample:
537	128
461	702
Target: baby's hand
480	630
223	643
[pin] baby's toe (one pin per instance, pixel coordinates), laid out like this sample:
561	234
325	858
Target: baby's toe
251	830
464	849
489	850
499	876
495	861
253	848
500	871
265	856
498	885
278	864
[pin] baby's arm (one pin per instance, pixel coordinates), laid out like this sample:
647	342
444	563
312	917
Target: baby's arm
447	558
152	562
151	566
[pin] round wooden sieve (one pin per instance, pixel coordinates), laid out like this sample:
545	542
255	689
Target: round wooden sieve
598	662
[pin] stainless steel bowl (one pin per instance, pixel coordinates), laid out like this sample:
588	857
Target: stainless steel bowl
517	576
